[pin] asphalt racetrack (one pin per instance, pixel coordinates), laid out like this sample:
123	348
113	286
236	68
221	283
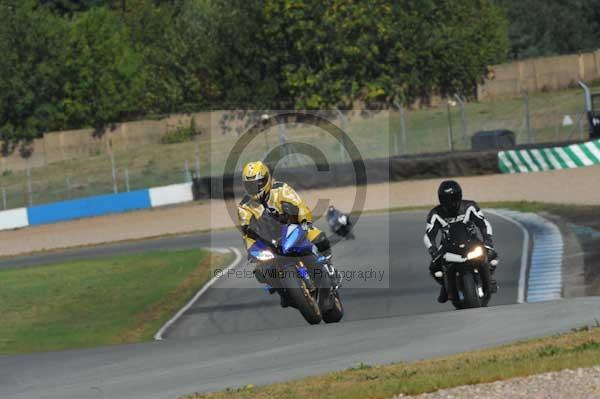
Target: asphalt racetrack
237	334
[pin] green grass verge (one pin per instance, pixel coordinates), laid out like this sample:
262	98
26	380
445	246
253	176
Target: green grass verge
576	349
109	300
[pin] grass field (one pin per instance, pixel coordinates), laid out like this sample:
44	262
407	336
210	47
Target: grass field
109	300
577	349
375	136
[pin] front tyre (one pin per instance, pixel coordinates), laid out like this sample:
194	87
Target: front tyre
336	312
469	289
302	299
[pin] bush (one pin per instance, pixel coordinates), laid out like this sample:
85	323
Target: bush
179	135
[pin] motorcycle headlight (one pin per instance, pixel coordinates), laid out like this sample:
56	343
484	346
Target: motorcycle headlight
476	253
265	255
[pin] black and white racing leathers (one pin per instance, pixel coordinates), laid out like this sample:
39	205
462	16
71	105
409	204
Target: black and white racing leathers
439	218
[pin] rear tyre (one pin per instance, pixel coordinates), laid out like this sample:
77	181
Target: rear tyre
336	313
471	297
302	299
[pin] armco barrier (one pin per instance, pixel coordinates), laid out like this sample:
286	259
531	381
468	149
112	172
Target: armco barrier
95	206
13	219
173	194
378	171
305	178
88	207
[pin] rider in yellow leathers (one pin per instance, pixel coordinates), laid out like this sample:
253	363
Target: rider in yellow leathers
266	194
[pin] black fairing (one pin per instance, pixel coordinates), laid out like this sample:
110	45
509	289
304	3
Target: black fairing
459	238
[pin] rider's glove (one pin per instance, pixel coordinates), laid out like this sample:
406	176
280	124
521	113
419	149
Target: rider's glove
306	225
492	256
433	251
491	252
271	211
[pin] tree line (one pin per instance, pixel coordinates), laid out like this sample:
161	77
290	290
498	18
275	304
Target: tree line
89	63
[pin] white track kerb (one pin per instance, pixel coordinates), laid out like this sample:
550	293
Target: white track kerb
524	254
238	256
544	280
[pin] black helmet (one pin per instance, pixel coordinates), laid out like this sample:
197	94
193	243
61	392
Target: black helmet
450	196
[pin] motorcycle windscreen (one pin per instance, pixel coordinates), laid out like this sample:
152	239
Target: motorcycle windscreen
459	238
294	240
266	229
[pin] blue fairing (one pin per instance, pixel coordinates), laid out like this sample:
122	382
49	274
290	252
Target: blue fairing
294	241
257	248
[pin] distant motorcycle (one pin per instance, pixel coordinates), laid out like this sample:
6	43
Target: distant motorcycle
339	223
289	266
465	267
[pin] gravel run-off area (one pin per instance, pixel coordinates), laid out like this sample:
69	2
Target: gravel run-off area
571	384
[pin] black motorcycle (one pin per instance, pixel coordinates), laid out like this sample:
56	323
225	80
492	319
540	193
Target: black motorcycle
465	266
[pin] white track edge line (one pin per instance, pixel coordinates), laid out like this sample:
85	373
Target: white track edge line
159	334
524	254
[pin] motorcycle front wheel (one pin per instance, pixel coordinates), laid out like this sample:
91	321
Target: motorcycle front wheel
302	298
335	314
469	289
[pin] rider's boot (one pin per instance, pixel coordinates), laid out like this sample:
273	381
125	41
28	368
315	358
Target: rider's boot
493	281
438	277
283	301
443	296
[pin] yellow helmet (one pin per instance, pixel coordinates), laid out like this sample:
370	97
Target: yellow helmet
257	179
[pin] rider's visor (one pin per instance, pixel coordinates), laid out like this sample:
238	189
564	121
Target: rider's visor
254	187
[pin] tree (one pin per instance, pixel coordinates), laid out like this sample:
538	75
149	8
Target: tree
31	41
549	27
105	80
341	51
153	33
237	62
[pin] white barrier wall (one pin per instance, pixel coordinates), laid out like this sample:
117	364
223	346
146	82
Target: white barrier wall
13	219
173	194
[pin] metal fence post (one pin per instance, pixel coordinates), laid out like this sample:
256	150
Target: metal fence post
283	141
528	119
186	172
127	179
29	189
403	130
400	107
342	118
450	132
197	155
463	117
112	165
68	180
4	198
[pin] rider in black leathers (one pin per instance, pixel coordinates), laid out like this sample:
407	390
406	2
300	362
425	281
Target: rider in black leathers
453	209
